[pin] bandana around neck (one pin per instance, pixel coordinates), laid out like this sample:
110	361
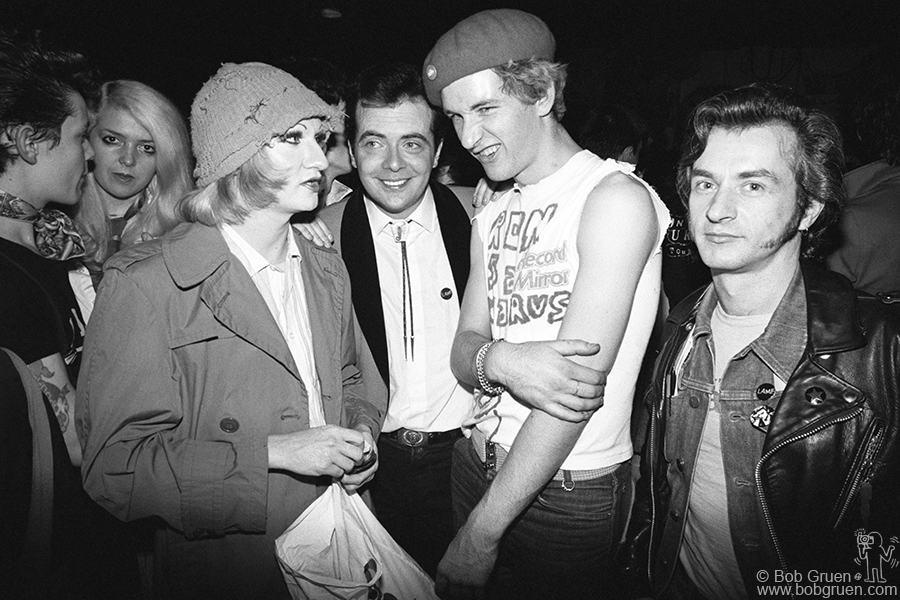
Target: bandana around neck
54	232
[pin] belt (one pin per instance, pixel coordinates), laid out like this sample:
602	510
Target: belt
492	457
418	439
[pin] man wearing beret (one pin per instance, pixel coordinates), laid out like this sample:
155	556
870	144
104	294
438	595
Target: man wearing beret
562	296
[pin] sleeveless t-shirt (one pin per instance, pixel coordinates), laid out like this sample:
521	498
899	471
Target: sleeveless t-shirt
530	262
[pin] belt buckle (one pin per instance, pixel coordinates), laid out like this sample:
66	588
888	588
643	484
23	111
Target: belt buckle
412	438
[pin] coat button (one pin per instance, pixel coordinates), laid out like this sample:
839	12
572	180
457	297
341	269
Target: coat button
675	515
815	395
694	401
680	464
229	425
446	293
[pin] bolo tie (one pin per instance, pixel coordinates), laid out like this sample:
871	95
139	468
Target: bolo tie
409	336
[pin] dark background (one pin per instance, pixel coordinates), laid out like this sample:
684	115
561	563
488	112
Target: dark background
658	57
640	48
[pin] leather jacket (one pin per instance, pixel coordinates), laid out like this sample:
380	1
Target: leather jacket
830	464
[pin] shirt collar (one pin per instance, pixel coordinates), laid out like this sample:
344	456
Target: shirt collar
424	215
252	260
782	342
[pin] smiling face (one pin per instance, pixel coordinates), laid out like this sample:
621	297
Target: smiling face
394	152
499	130
744	215
298	159
124	154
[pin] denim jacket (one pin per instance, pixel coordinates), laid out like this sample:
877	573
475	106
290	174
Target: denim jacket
830	462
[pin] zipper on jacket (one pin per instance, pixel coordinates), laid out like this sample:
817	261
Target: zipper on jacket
758	476
872	444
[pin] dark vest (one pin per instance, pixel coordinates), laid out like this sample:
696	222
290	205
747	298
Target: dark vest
358	252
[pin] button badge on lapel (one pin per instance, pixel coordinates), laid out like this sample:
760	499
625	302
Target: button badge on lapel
761	417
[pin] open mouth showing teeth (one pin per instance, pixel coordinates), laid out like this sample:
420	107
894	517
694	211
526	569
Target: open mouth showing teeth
394	184
488	152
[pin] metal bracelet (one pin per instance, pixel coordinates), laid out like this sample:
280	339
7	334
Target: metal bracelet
486	386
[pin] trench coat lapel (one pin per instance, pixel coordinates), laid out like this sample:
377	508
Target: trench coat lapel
320	283
198	255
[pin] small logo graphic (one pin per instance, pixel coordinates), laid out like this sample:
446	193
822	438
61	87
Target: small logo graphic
873	555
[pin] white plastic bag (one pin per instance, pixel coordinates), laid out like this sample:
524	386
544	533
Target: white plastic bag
338	549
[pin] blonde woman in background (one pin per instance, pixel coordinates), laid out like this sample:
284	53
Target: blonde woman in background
140	170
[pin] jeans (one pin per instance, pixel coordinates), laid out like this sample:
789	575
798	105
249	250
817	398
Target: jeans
411	494
563	544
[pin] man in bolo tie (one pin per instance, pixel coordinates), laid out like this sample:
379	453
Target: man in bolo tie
406	245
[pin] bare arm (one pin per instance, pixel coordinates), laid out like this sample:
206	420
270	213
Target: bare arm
598	311
50	373
539	374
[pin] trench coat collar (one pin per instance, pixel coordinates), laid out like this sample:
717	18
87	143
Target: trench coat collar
198	255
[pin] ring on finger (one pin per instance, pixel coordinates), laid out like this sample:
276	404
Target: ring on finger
577	387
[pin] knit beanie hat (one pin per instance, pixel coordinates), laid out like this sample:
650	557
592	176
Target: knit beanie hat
240	109
485	40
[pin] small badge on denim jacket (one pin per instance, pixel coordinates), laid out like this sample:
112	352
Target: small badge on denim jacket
761	417
765	391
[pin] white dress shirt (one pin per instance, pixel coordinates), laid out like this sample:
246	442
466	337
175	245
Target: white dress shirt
424	394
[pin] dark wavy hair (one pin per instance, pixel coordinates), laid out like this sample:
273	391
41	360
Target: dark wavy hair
35	89
389	84
818	157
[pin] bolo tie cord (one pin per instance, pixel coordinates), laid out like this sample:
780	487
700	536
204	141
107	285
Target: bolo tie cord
409	335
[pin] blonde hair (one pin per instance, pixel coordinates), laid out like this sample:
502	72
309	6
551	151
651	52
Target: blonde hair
229	199
155	113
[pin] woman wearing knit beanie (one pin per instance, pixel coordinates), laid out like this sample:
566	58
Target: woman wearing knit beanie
241	341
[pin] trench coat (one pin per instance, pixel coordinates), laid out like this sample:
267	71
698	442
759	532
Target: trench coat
185	375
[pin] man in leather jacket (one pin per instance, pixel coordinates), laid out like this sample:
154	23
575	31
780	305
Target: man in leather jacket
772	453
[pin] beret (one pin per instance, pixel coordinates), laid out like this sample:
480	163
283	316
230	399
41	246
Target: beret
485	40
